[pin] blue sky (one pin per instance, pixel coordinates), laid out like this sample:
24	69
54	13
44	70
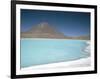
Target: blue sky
69	23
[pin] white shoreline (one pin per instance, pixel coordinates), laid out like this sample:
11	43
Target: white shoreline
83	62
87	48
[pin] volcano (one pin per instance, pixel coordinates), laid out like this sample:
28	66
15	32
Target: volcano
43	30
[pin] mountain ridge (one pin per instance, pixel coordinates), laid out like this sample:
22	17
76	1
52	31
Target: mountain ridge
44	30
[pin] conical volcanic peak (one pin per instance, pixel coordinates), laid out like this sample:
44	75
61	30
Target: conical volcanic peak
43	30
43	24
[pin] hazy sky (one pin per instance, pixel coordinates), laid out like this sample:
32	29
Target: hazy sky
69	23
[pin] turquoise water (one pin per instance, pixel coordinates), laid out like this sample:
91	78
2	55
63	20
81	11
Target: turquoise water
38	52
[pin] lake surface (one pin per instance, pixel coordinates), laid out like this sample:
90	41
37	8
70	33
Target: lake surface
38	52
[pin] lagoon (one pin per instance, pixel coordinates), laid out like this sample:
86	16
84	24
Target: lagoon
45	51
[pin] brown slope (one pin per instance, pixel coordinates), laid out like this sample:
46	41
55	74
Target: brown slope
43	30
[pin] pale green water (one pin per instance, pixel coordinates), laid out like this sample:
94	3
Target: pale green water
38	52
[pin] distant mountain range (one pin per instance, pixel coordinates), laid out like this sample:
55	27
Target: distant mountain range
44	30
